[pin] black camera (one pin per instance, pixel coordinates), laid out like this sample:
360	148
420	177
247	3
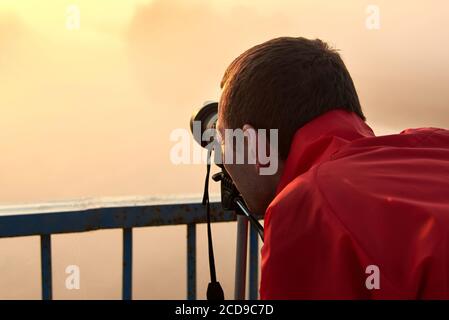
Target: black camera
203	126
205	119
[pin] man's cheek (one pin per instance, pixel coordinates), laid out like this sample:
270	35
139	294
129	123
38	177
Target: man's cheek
229	158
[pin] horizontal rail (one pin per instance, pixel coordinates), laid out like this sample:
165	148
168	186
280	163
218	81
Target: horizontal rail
16	225
69	217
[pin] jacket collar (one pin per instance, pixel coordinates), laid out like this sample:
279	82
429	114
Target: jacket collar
319	139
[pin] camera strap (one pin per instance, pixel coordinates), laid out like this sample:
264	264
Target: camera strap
214	290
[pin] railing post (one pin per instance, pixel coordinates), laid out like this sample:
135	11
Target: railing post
240	261
191	261
46	267
253	263
127	263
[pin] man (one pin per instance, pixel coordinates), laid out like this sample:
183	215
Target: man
348	215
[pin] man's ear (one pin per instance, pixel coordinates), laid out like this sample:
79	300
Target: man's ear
262	151
251	138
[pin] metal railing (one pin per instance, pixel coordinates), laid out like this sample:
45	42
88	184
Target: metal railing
126	214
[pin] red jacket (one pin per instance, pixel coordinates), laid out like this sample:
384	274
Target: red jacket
348	200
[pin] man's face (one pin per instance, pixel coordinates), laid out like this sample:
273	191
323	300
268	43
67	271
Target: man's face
257	190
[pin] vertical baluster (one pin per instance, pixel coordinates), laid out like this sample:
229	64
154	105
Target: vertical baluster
241	255
46	267
253	263
191	261
127	263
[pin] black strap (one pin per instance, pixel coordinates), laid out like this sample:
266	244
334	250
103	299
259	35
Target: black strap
214	290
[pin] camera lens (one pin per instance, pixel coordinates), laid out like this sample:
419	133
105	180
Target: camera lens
206	118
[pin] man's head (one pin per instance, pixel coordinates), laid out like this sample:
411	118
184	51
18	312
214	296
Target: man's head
280	84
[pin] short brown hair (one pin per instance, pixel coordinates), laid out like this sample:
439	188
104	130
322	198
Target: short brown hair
285	83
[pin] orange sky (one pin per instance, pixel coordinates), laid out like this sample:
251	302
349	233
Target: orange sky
84	108
88	112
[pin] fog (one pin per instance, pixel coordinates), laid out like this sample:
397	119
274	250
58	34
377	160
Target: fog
88	113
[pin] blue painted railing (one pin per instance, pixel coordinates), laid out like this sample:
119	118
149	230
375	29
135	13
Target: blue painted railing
88	215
